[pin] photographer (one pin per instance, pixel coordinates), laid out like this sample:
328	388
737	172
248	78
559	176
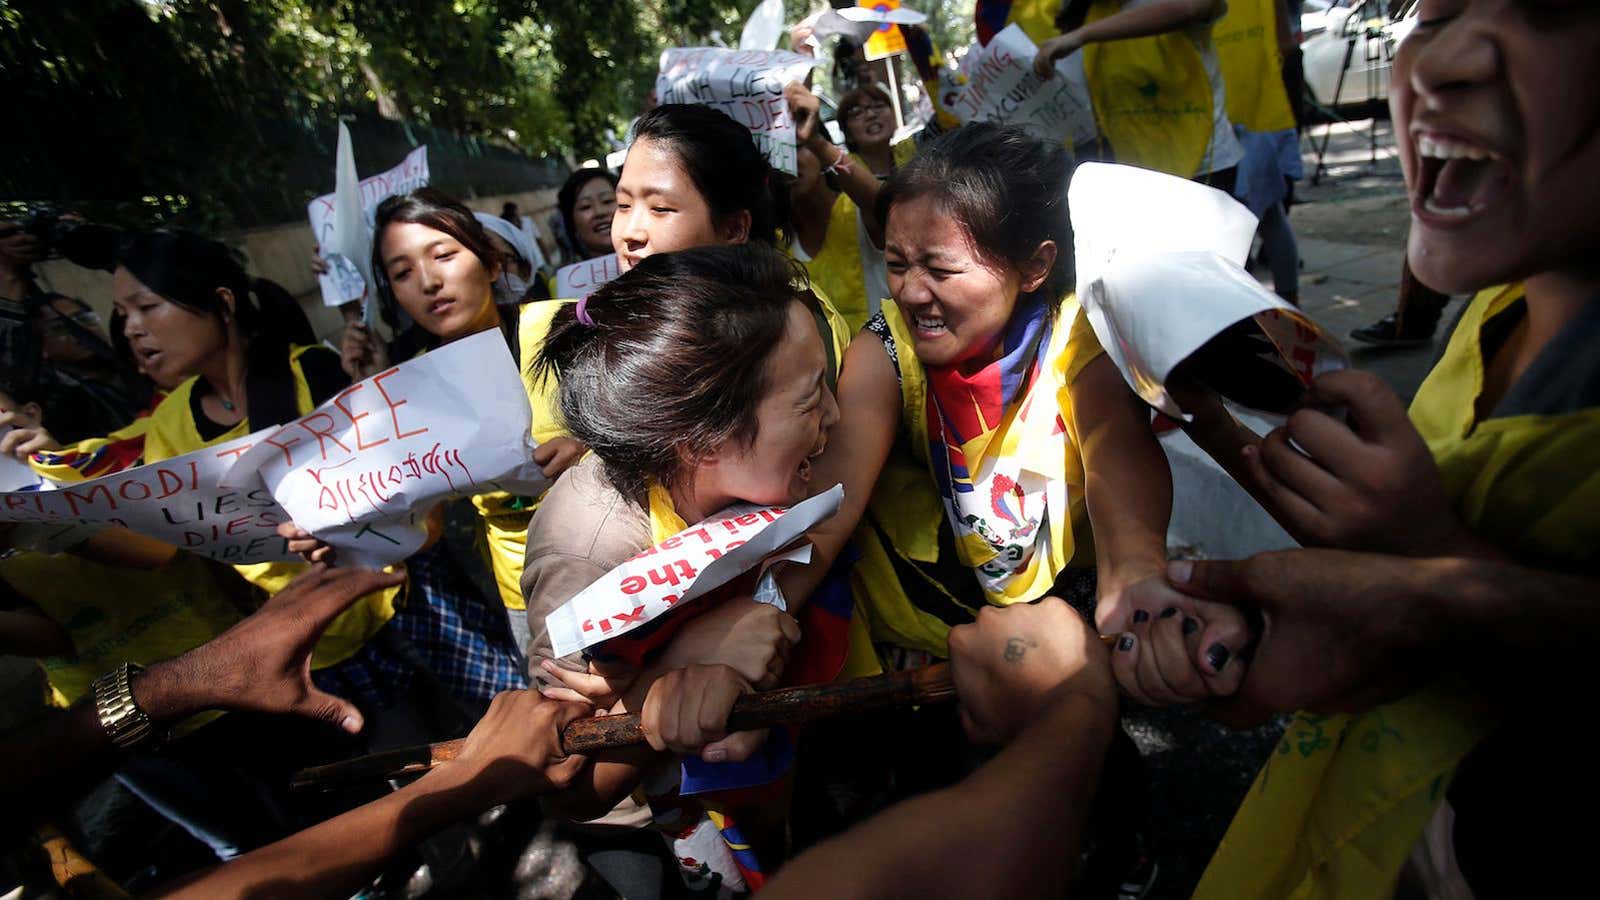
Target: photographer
57	344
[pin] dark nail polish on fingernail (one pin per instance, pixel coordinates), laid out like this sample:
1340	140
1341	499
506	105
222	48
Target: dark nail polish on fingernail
1126	643
1217	656
1169	612
1140	616
1190	626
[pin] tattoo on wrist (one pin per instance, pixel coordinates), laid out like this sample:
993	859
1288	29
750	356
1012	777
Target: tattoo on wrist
1016	648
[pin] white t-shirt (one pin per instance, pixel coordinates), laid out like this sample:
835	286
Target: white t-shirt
1224	150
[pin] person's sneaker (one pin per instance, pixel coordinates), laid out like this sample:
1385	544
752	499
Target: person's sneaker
1136	885
1386	333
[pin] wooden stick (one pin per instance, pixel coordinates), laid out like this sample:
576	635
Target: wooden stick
896	690
808	703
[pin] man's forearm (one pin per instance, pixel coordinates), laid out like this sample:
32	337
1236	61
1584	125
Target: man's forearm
335	858
1012	829
1513	622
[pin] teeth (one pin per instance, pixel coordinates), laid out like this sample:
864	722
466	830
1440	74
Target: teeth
1455	212
1444	148
929	323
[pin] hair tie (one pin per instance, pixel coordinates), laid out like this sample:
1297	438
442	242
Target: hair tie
583	311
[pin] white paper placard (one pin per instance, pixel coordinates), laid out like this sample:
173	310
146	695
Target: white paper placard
336	235
746	84
585	276
1001	86
1160	266
687	565
362	470
181	501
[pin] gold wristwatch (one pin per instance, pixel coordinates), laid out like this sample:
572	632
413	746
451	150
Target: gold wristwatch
127	725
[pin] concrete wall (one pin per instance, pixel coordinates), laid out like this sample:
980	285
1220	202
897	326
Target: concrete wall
281	253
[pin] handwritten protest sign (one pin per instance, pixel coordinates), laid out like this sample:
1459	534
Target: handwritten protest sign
746	84
342	283
1160	264
585	276
687	565
410	174
180	501
1001	86
361	471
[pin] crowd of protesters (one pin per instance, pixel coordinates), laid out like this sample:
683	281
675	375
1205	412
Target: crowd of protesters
897	317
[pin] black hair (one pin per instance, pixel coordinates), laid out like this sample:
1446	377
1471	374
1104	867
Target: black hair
567	201
674	365
1072	15
844	61
187	269
722	160
1008	189
441	212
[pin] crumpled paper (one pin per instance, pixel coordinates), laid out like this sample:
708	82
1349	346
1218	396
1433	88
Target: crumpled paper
1160	265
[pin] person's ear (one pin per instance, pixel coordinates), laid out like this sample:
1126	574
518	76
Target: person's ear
229	304
1036	271
33	411
736	227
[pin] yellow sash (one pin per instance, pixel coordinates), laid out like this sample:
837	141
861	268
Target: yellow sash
1342	802
172	432
1151	97
1252	71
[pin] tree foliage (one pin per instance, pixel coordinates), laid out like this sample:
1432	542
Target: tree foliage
169	95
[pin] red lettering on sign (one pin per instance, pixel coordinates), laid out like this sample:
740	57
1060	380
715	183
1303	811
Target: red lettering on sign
394	406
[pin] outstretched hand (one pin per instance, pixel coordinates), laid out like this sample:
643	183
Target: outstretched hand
263	663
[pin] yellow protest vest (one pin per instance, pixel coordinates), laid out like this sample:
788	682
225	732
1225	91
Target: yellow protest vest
172	432
1339	806
117	614
836	269
1151	97
901	152
1252	70
907	508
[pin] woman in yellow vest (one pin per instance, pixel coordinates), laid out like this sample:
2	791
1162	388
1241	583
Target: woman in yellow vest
190	307
1445	789
433	259
995	451
1023	432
